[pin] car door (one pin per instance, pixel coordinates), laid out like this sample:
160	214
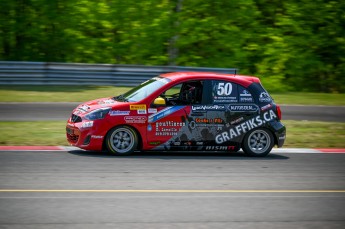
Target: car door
210	118
173	126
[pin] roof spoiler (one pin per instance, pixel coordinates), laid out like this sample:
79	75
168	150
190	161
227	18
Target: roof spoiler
205	69
251	78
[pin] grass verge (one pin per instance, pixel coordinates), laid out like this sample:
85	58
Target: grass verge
57	93
307	98
304	134
86	93
33	133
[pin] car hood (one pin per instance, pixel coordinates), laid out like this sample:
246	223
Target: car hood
92	105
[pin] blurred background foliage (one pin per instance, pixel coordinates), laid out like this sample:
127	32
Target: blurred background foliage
292	45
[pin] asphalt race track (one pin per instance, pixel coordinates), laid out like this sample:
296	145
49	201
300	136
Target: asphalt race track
79	189
62	111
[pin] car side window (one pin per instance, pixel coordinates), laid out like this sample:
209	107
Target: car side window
186	93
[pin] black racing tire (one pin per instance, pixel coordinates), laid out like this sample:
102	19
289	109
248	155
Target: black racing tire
122	140
258	142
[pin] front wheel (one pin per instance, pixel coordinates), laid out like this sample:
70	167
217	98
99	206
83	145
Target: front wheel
122	140
258	142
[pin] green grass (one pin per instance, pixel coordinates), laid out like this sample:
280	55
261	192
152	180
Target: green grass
312	134
299	134
85	93
33	133
57	93
302	98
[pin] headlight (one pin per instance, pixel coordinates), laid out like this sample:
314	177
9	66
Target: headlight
97	114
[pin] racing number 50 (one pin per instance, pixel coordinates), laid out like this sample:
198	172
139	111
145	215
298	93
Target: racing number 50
224	89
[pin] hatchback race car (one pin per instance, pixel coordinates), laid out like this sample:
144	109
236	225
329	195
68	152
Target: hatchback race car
181	111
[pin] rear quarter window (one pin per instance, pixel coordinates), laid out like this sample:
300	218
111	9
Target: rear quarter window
261	96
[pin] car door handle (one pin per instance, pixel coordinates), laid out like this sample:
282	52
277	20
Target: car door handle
197	114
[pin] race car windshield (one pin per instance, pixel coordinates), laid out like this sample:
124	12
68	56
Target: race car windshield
143	90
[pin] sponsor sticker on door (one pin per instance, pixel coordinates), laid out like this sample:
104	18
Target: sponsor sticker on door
138	107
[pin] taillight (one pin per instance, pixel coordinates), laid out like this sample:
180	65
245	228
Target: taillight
279	112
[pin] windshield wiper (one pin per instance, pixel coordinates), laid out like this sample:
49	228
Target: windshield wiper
120	98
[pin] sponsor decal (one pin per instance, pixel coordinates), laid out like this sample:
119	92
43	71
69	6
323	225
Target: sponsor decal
137	107
245	96
268	106
219	148
245	127
170	123
78	112
83	108
167	132
155	143
96	136
199	143
209	120
245	93
187	143
246	99
163	80
225	92
152	110
105	102
218	99
208	108
264	97
87	124
135	119
224	89
236	120
168	128
118	113
141	111
282	137
176	143
241	108
163	113
206	123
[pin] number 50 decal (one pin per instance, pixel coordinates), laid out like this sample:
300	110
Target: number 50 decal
224	89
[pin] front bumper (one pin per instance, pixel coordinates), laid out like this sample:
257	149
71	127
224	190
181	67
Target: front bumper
84	134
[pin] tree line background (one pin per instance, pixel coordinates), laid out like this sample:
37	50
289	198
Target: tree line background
292	45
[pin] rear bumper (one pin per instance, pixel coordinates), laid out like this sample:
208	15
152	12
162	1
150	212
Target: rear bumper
279	131
281	139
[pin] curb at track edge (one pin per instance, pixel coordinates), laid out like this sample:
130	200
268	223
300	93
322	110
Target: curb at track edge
69	148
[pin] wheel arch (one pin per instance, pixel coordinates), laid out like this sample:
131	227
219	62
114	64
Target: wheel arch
247	135
261	127
274	135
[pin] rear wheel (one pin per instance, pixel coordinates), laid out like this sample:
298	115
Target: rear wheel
122	140
258	142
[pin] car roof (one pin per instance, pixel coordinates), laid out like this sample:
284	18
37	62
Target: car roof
241	79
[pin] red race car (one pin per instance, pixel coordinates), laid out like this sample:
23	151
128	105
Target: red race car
181	111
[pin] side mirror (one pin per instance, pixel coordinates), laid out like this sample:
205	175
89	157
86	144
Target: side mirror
159	101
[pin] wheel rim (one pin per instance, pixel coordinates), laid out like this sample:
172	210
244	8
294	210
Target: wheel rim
259	141
122	140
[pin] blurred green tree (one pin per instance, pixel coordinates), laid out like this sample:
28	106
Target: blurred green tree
291	45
